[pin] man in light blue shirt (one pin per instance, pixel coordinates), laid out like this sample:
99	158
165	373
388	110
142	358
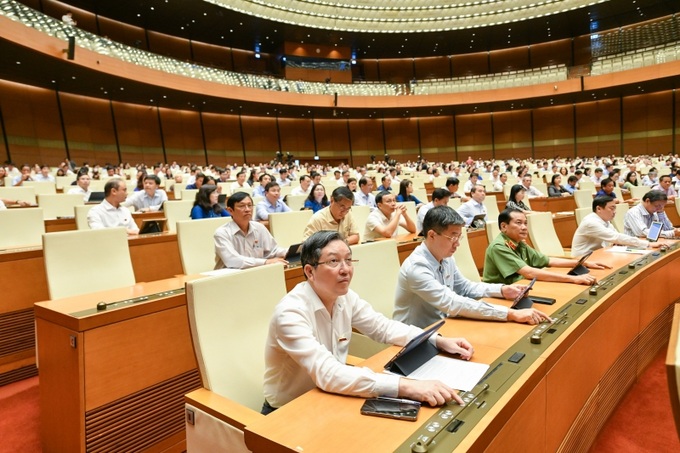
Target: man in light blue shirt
475	206
271	202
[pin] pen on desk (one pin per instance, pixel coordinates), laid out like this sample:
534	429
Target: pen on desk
399	400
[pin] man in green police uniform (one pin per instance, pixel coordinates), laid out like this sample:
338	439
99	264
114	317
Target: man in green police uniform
509	259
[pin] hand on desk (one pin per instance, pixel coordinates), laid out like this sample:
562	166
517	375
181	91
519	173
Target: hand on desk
528	315
510	292
434	393
597	266
459	346
276	260
586	279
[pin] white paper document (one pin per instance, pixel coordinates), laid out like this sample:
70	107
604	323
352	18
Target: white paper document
456	373
627	249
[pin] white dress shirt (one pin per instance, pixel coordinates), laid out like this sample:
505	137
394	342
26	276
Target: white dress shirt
365	199
307	347
264	208
104	215
428	290
81	191
237	250
141	200
470	209
421	216
594	233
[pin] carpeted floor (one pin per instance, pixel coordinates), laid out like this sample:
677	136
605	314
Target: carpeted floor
643	422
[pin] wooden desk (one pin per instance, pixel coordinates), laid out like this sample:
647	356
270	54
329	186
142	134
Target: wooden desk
557	403
115	380
69	224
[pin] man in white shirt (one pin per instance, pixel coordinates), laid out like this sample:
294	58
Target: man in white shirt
597	177
283	180
364	197
650	178
82	187
310	329
499	185
149	199
596	230
110	213
271	202
384	221
439	197
23	177
431	287
243	243
639	218
470	183
530	190
240	182
68	19
475	206
305	186
44	175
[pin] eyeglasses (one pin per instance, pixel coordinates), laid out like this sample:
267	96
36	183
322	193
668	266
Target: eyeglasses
452	239
335	263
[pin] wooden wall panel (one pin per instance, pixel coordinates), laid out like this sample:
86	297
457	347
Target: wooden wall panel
648	123
89	129
470	64
139	133
32	124
473	136
401	138
223	138
170	46
582	50
261	138
396	70
245	61
332	140
433	67
367	138
297	137
212	55
512	134
437	138
513	59
598	128
554	132
369	69
124	33
549	53
182	136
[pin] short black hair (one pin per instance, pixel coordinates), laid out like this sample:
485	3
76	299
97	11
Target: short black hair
655	195
314	244
114	183
452	181
236	197
342	192
154	178
271	185
440	218
606	181
438	194
363	181
505	215
602	201
381	195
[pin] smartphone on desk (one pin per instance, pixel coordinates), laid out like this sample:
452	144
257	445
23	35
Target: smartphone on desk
391	408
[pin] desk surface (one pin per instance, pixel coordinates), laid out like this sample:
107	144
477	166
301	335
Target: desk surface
306	424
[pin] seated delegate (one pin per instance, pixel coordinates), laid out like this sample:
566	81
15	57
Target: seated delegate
205	205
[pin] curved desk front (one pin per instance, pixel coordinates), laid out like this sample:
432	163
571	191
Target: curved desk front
556	399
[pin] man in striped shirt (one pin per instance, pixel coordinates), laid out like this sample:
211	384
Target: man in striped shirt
651	209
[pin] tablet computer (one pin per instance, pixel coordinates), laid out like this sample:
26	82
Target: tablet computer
415	353
522	301
96	197
654	231
580	269
478	221
293	253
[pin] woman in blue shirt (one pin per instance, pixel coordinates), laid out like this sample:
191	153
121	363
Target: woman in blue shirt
206	205
406	191
317	198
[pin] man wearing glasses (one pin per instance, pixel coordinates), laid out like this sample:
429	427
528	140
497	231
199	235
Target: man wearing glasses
244	243
431	287
311	327
336	217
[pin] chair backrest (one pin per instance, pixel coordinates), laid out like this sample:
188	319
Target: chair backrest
587	184
580	213
296	202
360	215
85	261
196	243
188	194
80	212
97	185
583	198
229	326
176	210
411	210
621	210
543	235
464	259
454	203
421	194
59	205
63	182
375	280
21	227
541	186
178	188
42	187
288	227
18	193
491	205
248	190
376	273
492	230
639	191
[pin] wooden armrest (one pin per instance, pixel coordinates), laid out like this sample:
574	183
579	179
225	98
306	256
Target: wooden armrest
222	408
